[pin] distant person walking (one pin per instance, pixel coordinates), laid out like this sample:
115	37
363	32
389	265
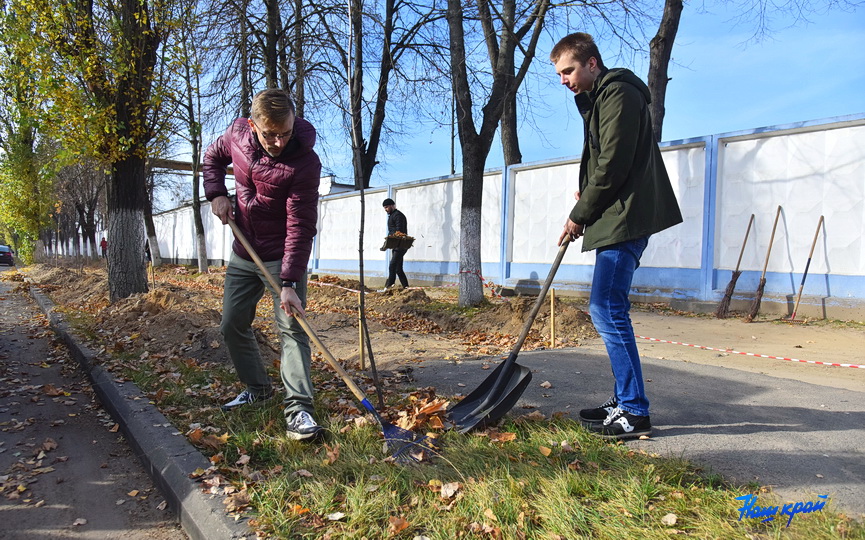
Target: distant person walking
103	245
396	222
624	196
276	175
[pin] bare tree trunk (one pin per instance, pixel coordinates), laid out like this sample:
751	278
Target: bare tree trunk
660	50
508	132
299	63
471	285
245	83
127	273
271	40
475	144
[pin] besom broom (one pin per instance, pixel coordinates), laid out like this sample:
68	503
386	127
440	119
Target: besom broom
724	306
758	297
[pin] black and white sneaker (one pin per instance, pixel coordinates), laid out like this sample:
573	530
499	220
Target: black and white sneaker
245	398
598	414
302	427
622	425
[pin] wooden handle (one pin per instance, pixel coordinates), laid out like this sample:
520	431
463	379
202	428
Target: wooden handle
542	295
745	241
771	239
358	393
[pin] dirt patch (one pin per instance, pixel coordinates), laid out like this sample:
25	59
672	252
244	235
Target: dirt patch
181	315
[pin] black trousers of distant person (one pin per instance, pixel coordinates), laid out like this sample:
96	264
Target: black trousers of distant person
395	268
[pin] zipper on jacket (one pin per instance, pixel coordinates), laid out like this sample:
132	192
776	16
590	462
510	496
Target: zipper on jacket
254	191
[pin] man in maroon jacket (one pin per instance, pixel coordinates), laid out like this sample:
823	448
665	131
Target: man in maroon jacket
276	175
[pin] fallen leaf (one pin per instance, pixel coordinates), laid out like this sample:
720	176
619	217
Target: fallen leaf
114	428
79	521
545	451
332	454
298	509
505	436
336	516
243	460
236	501
546	384
397	525
450	490
669	520
303	473
51	390
133	493
490	515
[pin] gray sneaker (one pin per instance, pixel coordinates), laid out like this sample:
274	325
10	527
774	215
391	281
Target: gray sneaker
301	427
245	398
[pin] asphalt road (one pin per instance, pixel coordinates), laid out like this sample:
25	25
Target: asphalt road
65	469
801	439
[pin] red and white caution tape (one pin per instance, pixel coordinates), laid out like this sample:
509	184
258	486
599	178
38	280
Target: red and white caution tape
731	351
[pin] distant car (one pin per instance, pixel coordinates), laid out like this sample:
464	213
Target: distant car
6	256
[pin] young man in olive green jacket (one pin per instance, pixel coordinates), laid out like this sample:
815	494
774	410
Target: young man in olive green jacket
624	197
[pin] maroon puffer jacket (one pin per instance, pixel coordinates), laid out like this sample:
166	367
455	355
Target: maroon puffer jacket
277	198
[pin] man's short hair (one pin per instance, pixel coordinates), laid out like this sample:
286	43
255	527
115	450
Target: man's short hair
388	202
579	44
273	104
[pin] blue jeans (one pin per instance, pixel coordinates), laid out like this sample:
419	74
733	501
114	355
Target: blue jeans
609	307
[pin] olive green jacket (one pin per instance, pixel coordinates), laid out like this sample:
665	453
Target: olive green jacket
625	192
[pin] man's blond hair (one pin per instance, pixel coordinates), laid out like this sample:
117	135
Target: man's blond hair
273	104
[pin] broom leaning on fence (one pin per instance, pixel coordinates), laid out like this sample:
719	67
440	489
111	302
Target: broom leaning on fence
724	306
758	297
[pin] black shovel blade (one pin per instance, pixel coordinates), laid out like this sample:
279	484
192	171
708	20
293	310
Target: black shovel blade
489	401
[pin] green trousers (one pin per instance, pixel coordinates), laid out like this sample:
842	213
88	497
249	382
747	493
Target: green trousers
244	286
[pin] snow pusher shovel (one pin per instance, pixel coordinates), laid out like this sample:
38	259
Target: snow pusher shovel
405	445
499	392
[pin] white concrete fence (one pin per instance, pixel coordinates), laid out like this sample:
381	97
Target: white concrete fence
809	169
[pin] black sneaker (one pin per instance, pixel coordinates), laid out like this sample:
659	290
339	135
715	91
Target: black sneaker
245	398
622	425
302	427
598	414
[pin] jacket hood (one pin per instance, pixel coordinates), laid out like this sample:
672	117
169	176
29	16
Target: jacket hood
622	75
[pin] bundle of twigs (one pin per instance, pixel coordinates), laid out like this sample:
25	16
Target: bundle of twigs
724	306
758	297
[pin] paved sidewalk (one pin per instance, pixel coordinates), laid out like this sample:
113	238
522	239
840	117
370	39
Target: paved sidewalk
802	439
165	453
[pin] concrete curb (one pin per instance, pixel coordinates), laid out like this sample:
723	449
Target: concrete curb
165	453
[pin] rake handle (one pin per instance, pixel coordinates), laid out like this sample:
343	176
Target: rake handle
807	265
358	393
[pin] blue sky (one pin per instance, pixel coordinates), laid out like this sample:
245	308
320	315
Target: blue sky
721	82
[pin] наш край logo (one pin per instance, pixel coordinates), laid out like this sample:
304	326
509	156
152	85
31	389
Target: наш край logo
751	510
